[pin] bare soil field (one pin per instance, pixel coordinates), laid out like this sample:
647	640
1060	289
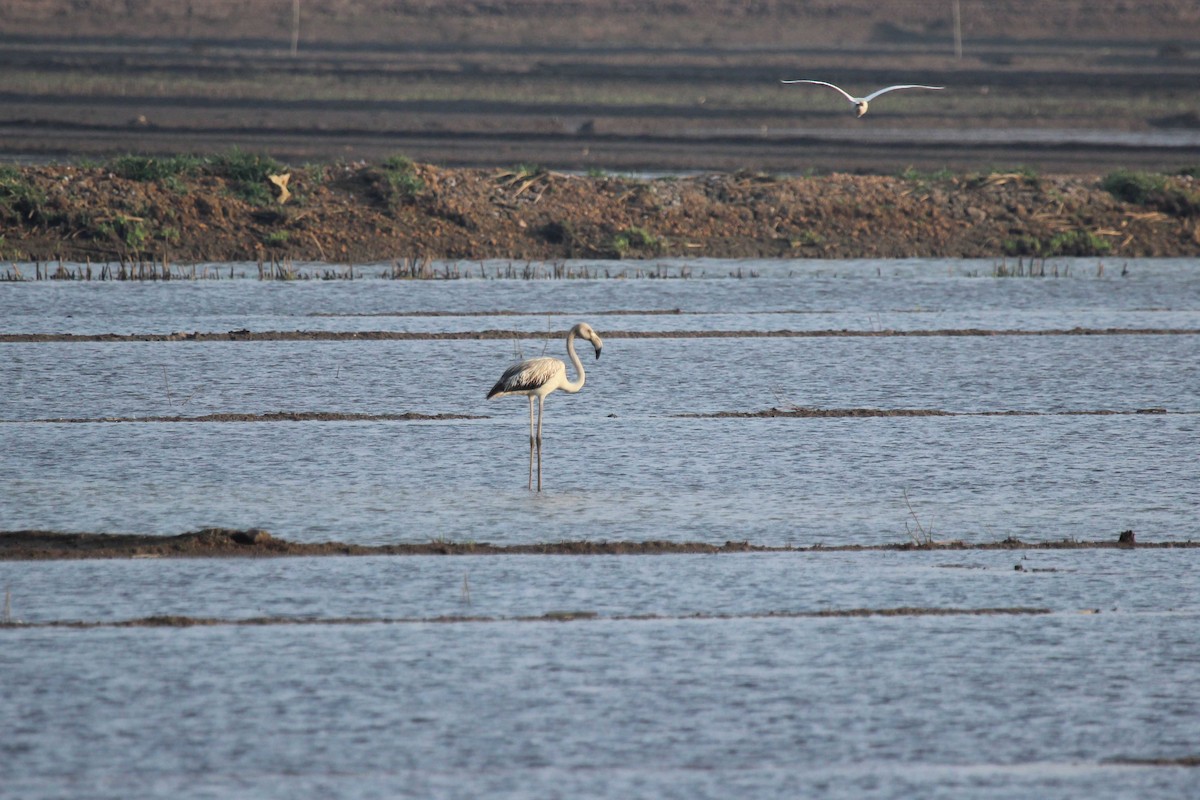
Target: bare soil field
581	85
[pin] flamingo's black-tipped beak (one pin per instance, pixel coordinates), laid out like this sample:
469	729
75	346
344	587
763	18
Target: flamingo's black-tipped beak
597	353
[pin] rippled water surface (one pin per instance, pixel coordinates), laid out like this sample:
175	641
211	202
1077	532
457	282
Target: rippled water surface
800	295
621	460
646	698
671	676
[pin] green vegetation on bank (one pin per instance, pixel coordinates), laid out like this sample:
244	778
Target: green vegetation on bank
402	182
246	172
1066	243
1160	192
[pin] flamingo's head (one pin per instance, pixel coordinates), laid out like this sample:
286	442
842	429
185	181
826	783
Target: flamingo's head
585	331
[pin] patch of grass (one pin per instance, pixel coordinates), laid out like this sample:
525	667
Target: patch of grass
247	174
253	193
129	231
923	535
918	176
1078	243
997	176
277	238
148	168
239	165
1153	190
807	239
403	183
315	174
1067	243
398	163
635	238
20	197
1133	187
522	171
1022	245
1028	174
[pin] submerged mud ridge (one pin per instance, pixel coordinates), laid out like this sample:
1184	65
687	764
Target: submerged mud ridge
277	416
244	335
255	542
1182	761
176	621
813	413
413	416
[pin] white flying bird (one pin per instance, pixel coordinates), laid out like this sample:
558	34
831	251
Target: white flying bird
861	102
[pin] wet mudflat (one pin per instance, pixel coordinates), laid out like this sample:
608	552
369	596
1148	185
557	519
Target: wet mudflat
735	603
257	543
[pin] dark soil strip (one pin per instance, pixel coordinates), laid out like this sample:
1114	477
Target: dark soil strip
811	413
276	416
785	413
288	336
617	312
254	542
553	616
1182	761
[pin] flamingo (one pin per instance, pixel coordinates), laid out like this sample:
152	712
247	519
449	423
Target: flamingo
538	377
861	102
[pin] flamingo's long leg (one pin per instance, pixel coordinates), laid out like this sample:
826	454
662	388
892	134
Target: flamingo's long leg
541	405
531	441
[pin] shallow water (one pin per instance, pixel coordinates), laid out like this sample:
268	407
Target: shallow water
942	706
671	708
775	481
680	686
798	295
619	462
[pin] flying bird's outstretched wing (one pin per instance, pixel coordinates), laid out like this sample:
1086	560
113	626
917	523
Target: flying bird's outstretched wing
835	88
873	95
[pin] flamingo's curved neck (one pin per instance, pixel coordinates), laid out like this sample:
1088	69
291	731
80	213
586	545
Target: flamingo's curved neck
576	385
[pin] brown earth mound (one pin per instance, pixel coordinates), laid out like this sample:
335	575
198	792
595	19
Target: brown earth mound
143	210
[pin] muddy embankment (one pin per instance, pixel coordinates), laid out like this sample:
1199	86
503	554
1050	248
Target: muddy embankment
146	212
255	542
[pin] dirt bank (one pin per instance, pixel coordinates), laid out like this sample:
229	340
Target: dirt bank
254	542
227	208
